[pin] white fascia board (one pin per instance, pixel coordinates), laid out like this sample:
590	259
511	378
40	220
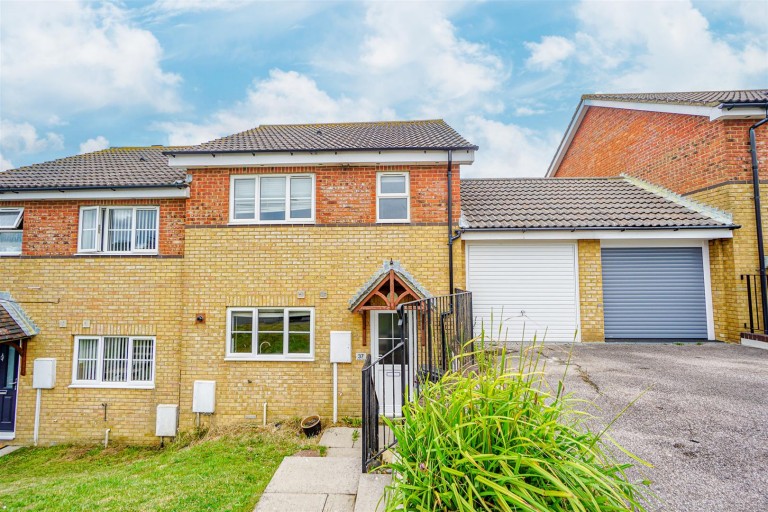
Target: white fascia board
119	193
573	126
304	158
667	108
737	113
600	234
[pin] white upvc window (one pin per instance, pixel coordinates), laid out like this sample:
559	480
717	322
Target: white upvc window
119	229
272	198
393	197
270	334
11	220
114	362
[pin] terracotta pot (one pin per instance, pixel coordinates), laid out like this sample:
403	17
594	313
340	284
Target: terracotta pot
311	426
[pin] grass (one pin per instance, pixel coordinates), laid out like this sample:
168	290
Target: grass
497	437
224	470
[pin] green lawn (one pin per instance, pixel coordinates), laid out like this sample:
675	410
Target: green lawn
226	473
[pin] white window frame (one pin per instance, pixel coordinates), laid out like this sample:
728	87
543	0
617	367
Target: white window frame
99	382
14	228
285	356
102	214
406	195
257	199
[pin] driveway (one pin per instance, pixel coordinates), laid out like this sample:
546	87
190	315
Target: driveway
703	424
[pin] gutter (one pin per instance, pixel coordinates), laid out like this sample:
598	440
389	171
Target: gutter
95	187
759	219
605	228
315	150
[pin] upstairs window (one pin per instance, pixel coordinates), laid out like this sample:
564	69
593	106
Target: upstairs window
392	197
11	220
272	199
119	229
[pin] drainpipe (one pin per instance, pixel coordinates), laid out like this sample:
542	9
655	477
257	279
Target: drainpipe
759	220
450	224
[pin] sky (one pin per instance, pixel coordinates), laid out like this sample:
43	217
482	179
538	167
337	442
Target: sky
77	77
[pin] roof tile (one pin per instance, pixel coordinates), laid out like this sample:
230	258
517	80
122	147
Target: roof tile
569	203
701	98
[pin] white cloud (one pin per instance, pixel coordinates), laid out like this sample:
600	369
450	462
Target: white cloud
22	138
284	97
57	58
411	53
5	164
550	52
508	150
662	46
528	111
95	144
173	7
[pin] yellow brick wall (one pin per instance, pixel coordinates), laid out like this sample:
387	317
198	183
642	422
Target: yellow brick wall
121	296
591	291
732	258
267	266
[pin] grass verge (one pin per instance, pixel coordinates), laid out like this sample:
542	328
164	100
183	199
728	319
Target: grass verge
221	470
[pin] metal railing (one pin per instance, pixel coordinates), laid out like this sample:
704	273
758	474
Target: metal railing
754	303
434	332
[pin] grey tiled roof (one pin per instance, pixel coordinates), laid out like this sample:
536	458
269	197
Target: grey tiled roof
14	323
383	135
702	98
114	167
568	203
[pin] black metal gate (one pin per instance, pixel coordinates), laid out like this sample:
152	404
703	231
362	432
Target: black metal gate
433	333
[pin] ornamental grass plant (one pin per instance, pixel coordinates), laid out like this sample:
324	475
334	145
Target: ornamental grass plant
496	437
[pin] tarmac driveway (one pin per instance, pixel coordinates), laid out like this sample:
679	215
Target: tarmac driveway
703	424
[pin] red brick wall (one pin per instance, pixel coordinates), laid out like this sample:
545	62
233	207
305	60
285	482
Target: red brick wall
343	195
681	152
50	227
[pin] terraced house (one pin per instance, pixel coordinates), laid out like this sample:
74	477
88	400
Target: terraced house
248	278
229	264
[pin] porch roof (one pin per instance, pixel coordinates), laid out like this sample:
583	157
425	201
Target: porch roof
365	293
15	325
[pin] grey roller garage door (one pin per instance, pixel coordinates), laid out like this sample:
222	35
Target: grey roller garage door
654	293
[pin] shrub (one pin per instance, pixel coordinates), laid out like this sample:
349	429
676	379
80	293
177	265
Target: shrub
498	438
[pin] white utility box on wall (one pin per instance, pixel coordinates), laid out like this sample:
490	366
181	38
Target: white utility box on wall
167	420
204	396
44	373
341	346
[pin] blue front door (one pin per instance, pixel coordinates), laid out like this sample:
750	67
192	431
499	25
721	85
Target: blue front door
9	372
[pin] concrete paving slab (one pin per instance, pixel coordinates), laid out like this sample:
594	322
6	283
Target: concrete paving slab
344	452
339	503
316	475
339	437
8	449
289	502
370	492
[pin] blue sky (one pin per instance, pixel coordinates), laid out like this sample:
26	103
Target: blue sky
81	76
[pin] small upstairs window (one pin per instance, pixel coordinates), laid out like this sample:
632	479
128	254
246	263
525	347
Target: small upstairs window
11	220
392	197
272	198
119	229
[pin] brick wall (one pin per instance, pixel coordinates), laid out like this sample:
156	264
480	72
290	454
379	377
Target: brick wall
119	296
50	227
344	195
591	291
681	152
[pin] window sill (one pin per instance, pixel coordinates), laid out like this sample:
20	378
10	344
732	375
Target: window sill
280	359
9	254
111	386
86	254
297	222
405	221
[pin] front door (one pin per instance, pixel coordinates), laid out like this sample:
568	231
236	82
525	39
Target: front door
9	371
392	370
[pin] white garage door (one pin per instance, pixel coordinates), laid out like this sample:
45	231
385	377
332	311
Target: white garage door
524	289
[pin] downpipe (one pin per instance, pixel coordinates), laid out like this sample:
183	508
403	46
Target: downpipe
759	220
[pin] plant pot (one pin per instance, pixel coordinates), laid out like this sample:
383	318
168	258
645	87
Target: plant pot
311	426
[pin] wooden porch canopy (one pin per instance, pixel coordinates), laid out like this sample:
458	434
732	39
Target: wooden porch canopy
16	328
389	287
